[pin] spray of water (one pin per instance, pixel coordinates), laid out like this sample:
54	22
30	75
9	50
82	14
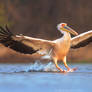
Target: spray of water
37	66
32	67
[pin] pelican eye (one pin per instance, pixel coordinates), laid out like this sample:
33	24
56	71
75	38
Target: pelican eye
63	24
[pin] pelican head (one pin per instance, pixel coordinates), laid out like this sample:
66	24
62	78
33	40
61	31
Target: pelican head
64	27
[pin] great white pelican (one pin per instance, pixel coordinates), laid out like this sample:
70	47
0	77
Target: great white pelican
56	49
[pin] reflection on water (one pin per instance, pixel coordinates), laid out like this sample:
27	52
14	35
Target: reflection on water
23	78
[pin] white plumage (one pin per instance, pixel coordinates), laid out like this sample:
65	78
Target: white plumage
56	50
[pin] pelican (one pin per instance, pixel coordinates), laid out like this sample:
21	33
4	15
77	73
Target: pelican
56	49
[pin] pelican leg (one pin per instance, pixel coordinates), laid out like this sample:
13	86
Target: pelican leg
68	68
56	64
65	64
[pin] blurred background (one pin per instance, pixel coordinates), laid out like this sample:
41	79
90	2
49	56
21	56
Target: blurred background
38	18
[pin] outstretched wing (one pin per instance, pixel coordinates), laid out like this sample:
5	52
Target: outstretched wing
24	44
81	40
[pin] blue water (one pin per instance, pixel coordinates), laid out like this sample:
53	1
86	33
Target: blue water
39	77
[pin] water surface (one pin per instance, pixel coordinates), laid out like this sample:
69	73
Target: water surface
39	77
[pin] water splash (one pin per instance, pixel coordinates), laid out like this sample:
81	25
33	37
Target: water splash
40	67
32	67
37	66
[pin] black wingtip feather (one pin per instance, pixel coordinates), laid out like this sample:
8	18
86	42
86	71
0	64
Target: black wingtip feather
7	40
5	34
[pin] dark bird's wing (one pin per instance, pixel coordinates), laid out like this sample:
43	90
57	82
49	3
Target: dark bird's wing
24	44
81	40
